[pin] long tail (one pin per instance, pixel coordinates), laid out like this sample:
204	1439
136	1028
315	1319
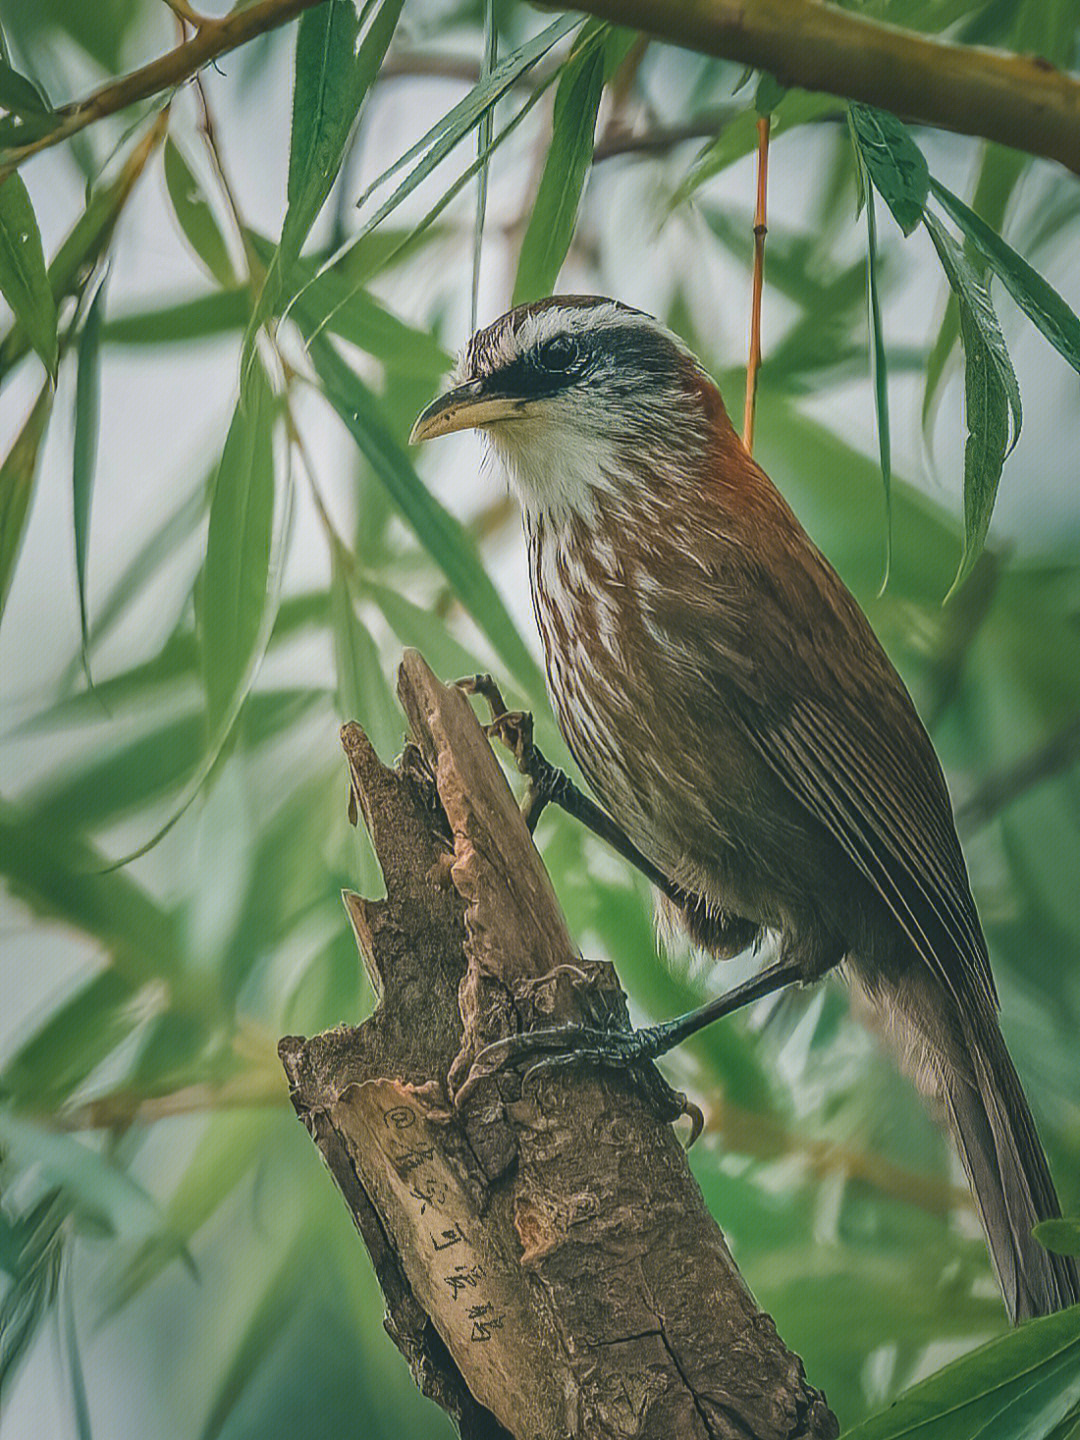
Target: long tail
961	1059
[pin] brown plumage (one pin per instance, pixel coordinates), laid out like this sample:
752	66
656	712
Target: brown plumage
729	704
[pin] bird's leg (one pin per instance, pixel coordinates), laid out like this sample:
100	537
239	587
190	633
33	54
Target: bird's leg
550	785
582	1044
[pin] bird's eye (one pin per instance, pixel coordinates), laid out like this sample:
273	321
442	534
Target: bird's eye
559	355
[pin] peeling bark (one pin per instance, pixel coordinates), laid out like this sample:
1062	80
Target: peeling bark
549	1266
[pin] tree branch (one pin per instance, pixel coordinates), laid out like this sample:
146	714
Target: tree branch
549	1266
1019	100
212	39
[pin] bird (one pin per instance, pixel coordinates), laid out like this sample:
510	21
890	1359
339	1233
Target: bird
735	715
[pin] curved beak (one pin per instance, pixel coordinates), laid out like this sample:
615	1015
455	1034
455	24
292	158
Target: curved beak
464	408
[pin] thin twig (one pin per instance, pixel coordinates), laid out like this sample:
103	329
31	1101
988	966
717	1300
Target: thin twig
753	365
212	39
1007	785
661	138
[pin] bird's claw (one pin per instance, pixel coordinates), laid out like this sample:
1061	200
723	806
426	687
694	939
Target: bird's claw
566	1045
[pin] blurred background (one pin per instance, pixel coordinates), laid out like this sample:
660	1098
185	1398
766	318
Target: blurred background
173	1258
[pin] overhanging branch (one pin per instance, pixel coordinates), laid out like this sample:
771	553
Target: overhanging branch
1018	100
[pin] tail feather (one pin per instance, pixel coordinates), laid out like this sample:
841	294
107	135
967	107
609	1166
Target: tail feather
961	1059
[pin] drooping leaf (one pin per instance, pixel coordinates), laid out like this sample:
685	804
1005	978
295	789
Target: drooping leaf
24	281
999	176
1060	1236
84	458
452	127
17	486
236	573
439	532
196	218
1036	297
894	162
739	137
204	315
879	374
19	95
991	394
551	226
483	147
363	692
333	74
1023	1386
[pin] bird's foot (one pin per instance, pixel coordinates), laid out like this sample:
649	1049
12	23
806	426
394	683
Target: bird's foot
540	1052
514	729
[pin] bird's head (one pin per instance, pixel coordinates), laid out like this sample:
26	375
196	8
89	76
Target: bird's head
577	393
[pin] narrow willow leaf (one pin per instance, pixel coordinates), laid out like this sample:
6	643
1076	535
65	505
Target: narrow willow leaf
894	162
447	132
999	175
217	314
739	137
363	692
1039	301
235	576
1060	1236
879	374
80	1403
444	537
196	218
333	74
76	1036
991	394
87	416
1022	1386
422	629
19	95
483	145
24	281
551	226
17	486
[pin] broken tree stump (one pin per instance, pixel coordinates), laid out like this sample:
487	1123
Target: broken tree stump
550	1269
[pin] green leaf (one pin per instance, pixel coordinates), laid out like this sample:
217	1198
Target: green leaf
87	415
991	394
236	573
894	162
17	486
196	218
363	692
333	74
445	134
1039	300
1060	1236
879	372
1023	1386
739	137
551	226
768	95
24	281
18	95
483	148
444	537
205	315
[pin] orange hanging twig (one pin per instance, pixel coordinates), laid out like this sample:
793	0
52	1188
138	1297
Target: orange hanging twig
753	365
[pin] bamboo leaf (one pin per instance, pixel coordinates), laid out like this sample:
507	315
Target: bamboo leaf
1039	301
204	315
84	457
17	486
551	226
196	218
1023	1386
991	394
444	537
235	575
894	162
879	373
739	137
24	281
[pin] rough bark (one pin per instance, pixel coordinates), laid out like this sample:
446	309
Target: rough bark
549	1266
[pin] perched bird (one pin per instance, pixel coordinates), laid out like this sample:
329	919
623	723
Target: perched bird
730	706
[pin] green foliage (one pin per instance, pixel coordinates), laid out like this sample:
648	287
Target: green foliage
154	1188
